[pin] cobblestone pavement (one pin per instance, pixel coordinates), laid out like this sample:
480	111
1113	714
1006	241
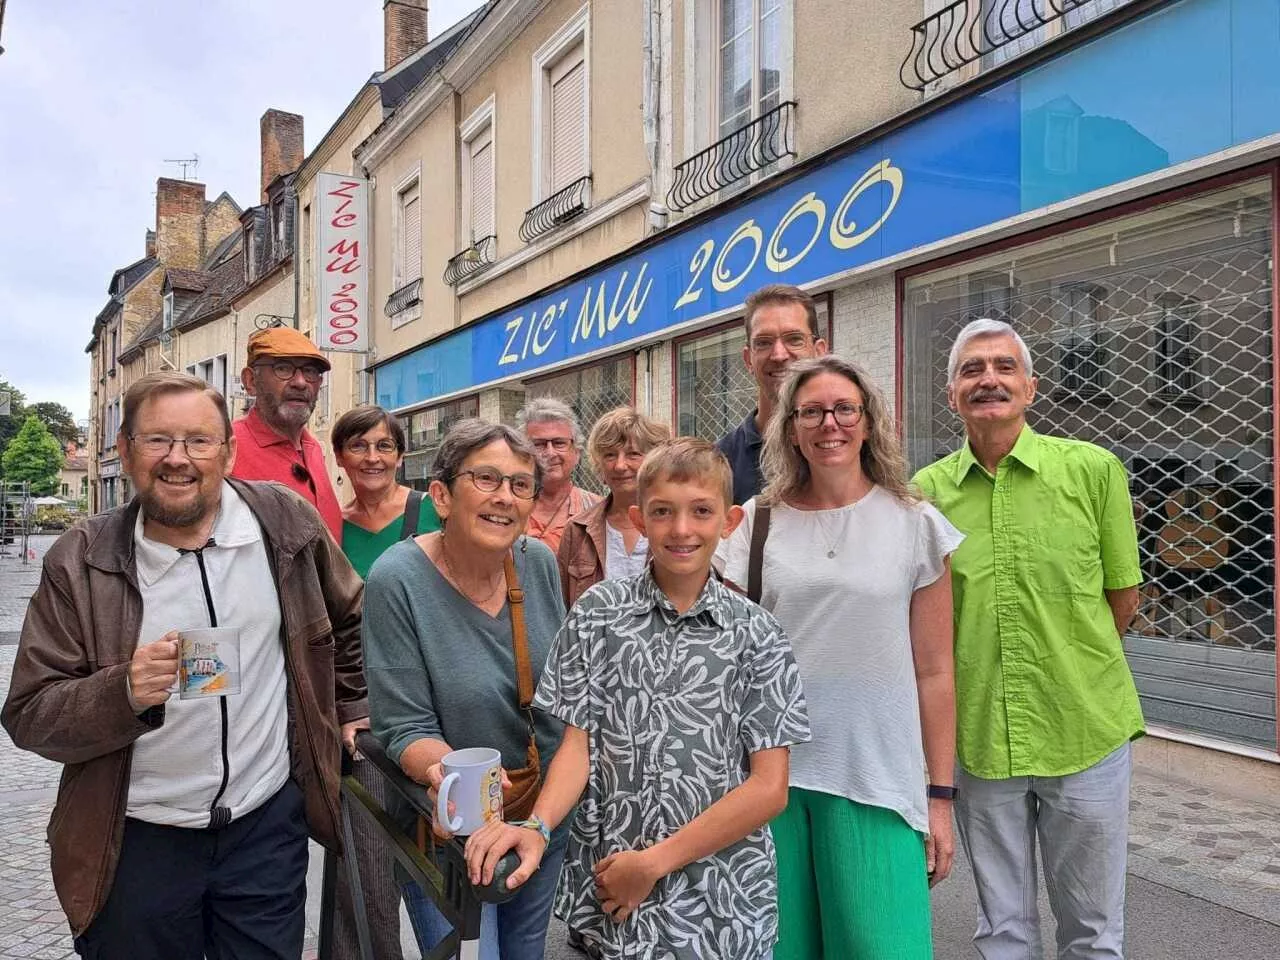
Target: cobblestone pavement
1183	836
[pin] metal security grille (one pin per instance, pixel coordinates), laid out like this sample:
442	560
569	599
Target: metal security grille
1152	338
716	391
425	430
591	392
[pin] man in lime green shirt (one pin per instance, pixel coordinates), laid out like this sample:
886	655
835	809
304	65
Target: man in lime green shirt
1045	584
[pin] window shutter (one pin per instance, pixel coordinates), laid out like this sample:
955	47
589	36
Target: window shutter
568	121
481	187
411	236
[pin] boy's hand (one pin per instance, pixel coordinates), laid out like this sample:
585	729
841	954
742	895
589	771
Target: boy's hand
490	844
624	880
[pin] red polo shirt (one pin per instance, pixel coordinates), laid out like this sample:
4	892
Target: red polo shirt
262	454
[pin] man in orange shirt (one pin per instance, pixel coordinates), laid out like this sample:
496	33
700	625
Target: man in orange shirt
283	374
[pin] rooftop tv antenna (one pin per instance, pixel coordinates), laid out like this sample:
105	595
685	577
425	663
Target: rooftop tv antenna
193	163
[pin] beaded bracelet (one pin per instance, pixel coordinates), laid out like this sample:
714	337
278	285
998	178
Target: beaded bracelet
534	822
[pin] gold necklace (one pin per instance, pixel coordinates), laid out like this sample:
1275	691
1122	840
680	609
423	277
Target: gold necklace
453	578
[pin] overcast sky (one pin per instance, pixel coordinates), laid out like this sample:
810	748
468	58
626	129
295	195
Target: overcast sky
95	96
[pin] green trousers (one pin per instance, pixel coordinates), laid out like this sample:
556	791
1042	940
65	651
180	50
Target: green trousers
852	883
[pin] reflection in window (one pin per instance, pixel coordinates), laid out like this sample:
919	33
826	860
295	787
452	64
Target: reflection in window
750	61
1082	354
1177	354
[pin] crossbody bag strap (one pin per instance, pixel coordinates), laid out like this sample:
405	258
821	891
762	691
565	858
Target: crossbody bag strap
755	558
412	511
519	638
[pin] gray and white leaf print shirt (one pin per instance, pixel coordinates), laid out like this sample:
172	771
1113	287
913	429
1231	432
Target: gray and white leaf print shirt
673	706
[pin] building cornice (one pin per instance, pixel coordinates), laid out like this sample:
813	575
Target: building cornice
474	54
345	125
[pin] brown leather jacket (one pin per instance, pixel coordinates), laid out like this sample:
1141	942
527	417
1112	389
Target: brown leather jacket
582	551
68	702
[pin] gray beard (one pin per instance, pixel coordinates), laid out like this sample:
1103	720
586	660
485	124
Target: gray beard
187	516
275	415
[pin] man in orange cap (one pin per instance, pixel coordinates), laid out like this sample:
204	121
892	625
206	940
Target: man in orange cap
283	374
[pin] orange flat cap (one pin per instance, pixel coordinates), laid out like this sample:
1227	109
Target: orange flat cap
276	343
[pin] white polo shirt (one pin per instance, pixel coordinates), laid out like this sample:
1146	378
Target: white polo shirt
177	768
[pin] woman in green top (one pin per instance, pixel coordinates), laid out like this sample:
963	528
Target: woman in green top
369	444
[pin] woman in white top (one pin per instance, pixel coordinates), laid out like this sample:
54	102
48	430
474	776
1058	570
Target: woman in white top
855	567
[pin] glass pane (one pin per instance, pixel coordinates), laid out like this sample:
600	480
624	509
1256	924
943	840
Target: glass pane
770	56
591	392
735	19
714	389
735	83
1151	336
424	431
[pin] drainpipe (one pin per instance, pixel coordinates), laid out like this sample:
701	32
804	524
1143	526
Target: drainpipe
652	109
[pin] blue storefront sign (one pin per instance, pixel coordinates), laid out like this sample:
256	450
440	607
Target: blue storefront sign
1189	80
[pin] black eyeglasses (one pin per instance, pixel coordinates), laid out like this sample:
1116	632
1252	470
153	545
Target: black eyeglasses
302	475
811	415
558	444
159	445
489	479
285	369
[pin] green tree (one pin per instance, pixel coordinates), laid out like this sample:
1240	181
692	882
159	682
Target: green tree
33	455
58	419
11	424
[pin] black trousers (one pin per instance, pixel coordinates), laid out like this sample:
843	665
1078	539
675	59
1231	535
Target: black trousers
236	893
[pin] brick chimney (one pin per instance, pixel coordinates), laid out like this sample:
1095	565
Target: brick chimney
179	222
404	29
151	243
281	145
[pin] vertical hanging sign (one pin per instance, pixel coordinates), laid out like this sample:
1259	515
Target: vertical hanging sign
342	263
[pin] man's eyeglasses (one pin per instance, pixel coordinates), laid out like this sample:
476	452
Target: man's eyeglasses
360	447
794	342
558	444
489	479
811	415
285	369
159	445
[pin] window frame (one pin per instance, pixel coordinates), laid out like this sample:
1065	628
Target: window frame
575	32
400	272
482	121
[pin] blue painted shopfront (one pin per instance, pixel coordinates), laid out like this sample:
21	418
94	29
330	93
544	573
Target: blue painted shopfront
1187	81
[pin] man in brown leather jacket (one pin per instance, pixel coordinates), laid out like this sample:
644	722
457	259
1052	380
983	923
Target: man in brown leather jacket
180	829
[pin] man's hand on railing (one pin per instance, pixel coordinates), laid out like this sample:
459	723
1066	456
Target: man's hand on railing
488	845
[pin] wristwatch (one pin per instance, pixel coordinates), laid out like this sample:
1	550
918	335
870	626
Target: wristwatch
938	792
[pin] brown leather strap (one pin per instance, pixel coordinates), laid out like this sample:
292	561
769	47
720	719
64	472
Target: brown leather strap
755	558
519	639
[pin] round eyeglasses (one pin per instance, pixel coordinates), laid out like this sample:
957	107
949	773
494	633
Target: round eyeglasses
811	415
159	445
360	447
489	479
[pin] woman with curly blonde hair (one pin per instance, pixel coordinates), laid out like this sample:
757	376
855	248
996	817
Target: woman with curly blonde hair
855	567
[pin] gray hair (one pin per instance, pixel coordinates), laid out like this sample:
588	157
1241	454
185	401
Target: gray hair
467	436
549	410
985	327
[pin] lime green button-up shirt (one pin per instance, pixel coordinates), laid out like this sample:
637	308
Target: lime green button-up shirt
1042	685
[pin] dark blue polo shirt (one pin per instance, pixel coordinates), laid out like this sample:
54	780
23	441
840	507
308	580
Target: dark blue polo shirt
742	448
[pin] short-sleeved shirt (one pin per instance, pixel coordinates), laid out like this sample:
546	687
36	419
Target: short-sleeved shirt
741	448
362	546
1042	685
841	582
263	454
439	667
673	705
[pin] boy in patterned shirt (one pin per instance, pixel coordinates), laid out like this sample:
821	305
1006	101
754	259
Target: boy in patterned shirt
681	699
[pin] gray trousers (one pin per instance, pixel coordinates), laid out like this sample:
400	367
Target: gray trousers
1082	824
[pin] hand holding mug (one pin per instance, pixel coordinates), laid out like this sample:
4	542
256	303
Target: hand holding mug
153	671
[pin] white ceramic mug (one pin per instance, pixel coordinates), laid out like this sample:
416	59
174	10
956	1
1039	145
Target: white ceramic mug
473	783
209	662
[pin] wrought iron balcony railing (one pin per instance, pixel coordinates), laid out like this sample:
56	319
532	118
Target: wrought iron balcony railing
561	207
968	30
757	145
404	298
477	256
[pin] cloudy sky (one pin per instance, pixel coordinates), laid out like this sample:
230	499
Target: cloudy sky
95	96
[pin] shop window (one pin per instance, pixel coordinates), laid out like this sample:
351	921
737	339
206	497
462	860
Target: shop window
1153	332
424	431
590	391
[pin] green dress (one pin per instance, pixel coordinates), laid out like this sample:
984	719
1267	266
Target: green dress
363	547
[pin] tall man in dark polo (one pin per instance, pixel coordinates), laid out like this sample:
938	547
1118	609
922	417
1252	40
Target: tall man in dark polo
782	327
1045	585
180	828
283	373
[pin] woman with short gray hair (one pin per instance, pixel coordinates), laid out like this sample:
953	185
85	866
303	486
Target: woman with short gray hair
440	654
553	429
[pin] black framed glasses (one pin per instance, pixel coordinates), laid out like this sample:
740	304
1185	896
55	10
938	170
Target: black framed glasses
285	369
159	444
811	415
558	444
489	479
